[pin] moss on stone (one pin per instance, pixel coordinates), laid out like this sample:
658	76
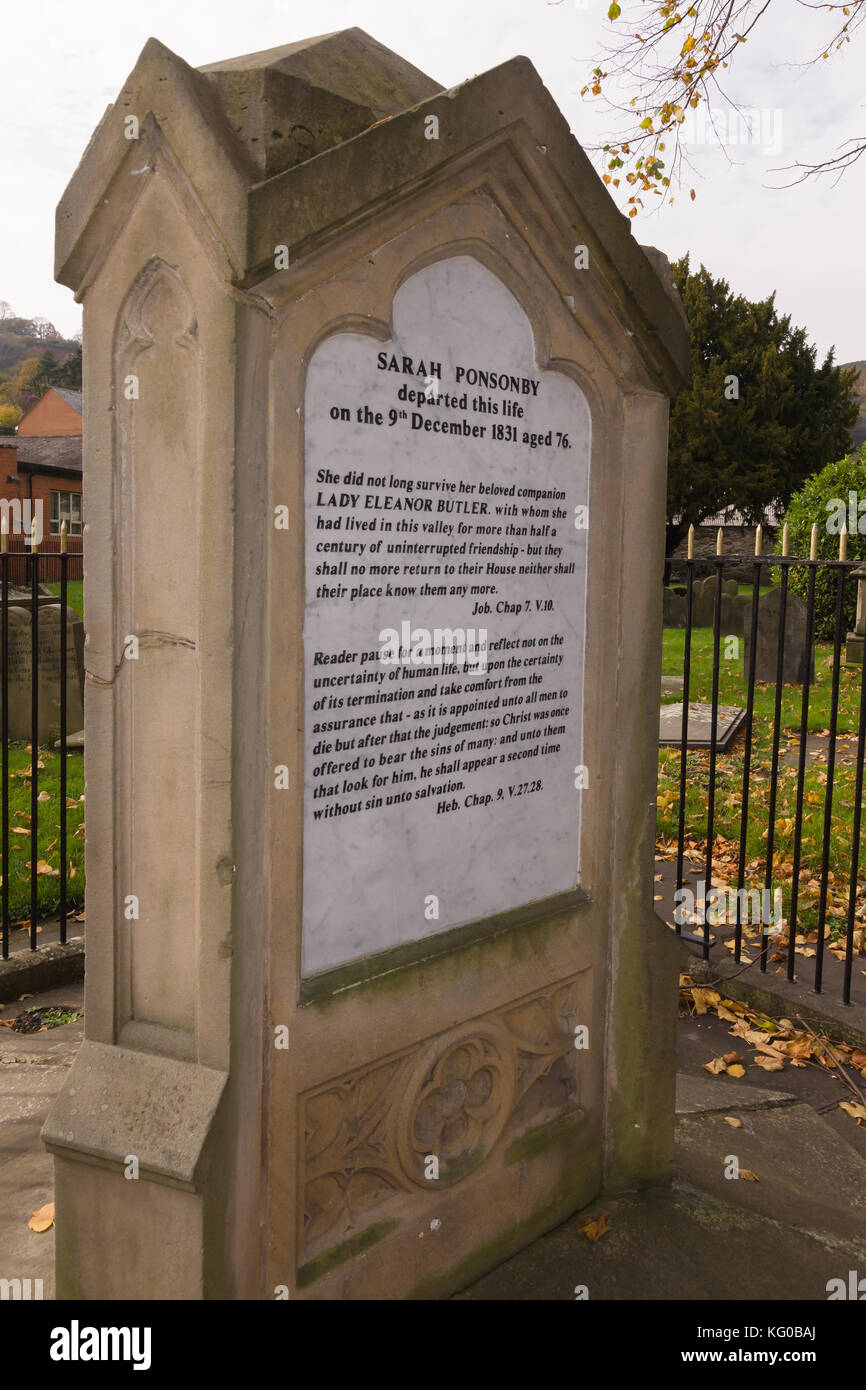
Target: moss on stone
338	1254
543	1136
519	934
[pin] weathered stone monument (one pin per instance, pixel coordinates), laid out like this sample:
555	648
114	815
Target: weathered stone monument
732	607
857	636
48	670
798	661
699	725
674	607
375	990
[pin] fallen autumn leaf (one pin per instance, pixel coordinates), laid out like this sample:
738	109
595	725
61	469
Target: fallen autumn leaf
595	1228
43	1219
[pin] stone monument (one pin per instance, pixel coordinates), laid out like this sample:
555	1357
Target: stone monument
375	989
673	608
20	670
857	636
798	661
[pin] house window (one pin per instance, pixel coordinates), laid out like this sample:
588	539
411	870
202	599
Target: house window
66	506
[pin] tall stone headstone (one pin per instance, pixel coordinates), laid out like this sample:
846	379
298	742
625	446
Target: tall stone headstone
703	601
48	671
375	989
673	608
855	638
735	615
798	662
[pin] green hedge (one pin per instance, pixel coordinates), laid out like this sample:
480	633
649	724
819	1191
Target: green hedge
812	504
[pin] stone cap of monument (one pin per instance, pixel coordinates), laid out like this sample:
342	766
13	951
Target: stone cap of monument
296	146
288	104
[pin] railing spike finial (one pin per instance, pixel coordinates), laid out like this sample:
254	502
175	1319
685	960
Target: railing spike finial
813	544
843	543
4	535
63	538
759	538
786	540
720	542
34	543
691	549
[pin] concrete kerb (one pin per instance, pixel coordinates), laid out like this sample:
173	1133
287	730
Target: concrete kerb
778	997
49	967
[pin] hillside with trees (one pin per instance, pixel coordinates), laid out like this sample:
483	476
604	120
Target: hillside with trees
33	356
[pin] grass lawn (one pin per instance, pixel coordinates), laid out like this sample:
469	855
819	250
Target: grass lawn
74	594
729	780
748	589
48	834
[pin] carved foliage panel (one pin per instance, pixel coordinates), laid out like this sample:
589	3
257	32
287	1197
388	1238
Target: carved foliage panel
369	1135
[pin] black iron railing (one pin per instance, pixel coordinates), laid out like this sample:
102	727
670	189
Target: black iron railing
785	565
22	577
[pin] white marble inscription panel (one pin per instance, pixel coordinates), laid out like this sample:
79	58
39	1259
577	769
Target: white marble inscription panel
446	489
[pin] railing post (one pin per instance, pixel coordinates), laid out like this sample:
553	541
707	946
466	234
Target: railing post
64	560
4	725
34	731
855	641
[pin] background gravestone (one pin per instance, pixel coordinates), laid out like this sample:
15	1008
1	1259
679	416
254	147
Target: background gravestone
732	610
856	638
799	657
704	604
703	601
674	609
20	659
396	964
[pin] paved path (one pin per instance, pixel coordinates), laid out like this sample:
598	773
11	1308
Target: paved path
33	1067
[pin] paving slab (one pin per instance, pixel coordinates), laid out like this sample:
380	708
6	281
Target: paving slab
701	1095
809	1177
685	1247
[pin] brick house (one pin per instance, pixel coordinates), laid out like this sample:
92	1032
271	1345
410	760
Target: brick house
41	465
58	412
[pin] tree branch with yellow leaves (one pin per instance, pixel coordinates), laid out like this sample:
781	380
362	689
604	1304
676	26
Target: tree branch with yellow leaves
674	58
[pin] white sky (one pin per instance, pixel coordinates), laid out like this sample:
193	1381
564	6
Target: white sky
64	63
